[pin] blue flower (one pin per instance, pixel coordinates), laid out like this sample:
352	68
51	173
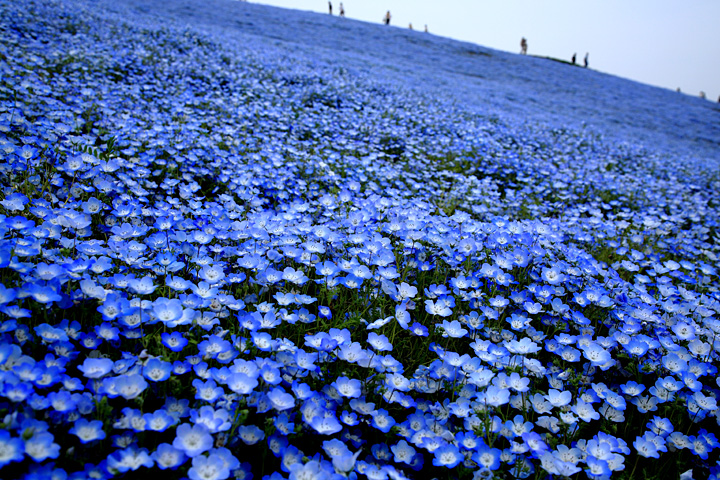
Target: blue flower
379	342
347	387
40	446
88	430
280	399
645	448
175	341
250	434
211	467
168	457
12	449
448	456
96	367
158	421
192	439
129	459
437	307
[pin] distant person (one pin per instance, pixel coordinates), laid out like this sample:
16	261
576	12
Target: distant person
523	46
426	30
678	90
702	95
587	62
330	7
386	18
410	26
342	10
574	57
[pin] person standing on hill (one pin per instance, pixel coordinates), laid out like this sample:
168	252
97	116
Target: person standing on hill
386	19
330	7
342	10
574	57
587	55
523	46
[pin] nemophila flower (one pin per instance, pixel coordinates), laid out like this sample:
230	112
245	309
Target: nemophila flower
598	356
645	404
379	342
263	341
129	459
294	276
143	286
175	341
632	389
96	367
660	426
280	399
706	403
88	430
437	307
157	370
168	310
250	434
211	467
11	449
448	456
44	294
129	386
107	332
597	467
452	329
495	396
646	447
41	446
558	398
192	440
213	347
207	391
62	401
15	202
168	457
523	347
418	330
158	421
50	334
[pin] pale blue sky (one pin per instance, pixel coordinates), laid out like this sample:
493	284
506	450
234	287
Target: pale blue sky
668	43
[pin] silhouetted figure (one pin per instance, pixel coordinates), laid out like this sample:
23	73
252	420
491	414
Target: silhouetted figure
342	10
410	26
702	95
523	46
587	62
678	90
574	57
426	30
386	19
330	7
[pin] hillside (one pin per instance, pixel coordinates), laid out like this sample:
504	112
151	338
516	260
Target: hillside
248	242
480	78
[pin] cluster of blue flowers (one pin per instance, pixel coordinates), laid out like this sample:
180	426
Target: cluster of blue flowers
223	259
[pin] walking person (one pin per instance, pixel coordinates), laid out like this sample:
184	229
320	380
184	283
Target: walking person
523	46
587	55
574	57
386	19
330	7
342	10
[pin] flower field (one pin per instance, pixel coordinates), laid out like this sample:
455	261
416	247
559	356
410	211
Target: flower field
245	242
